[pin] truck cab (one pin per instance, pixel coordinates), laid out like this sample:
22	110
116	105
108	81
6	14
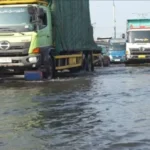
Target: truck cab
117	48
25	34
105	60
138	41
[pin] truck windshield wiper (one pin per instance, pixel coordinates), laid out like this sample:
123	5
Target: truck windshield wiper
8	29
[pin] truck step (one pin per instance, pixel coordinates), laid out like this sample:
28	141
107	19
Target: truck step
33	75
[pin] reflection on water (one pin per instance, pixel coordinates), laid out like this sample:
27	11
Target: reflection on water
108	110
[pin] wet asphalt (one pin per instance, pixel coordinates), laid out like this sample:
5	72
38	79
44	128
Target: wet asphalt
105	110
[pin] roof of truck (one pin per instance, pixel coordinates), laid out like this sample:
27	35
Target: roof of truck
138	19
9	2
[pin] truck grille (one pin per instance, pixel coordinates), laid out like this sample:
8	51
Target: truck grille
19	52
117	57
15	49
4	45
137	51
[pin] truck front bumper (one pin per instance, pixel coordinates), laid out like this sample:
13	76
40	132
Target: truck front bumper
138	58
29	61
117	60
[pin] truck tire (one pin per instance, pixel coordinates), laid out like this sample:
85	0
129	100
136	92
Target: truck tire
49	72
90	65
100	62
84	62
87	63
127	62
106	62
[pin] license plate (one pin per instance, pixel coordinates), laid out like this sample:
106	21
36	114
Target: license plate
117	59
141	56
5	60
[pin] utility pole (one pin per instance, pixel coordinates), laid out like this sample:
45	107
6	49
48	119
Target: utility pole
114	19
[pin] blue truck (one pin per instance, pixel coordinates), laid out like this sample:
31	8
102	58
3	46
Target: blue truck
117	49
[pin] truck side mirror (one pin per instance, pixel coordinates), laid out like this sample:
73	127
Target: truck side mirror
31	10
123	36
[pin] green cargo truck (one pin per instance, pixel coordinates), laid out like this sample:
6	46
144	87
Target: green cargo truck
46	36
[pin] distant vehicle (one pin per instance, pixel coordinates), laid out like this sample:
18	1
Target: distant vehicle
138	41
117	48
105	57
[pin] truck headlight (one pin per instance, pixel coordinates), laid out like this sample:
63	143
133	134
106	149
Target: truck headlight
33	59
110	57
127	52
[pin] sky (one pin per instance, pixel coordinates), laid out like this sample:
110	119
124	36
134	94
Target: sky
102	15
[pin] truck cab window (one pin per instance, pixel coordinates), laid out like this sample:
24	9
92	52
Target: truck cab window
43	21
127	36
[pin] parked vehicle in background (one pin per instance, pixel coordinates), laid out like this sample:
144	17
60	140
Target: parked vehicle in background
117	48
138	41
105	60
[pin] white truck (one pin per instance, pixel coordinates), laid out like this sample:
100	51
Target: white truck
138	41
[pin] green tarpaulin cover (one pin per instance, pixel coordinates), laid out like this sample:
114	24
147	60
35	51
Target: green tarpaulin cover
72	30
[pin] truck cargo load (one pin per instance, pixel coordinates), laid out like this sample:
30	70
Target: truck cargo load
72	30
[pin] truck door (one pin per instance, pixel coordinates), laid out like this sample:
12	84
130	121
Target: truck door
44	32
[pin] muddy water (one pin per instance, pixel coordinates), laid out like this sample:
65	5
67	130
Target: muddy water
108	110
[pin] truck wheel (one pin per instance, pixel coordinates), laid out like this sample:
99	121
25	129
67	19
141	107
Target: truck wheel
49	72
127	62
106	62
100	63
90	65
84	64
87	63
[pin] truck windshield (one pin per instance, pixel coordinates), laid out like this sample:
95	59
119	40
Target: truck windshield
14	16
104	48
139	36
117	46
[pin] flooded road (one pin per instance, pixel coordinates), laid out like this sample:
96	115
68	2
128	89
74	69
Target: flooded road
109	110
